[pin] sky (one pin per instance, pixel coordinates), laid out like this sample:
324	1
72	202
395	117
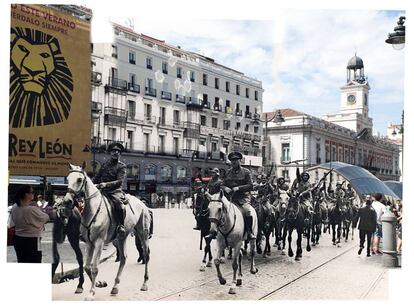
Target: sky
299	55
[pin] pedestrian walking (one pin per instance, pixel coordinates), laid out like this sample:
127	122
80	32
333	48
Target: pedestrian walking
380	210
367	218
29	221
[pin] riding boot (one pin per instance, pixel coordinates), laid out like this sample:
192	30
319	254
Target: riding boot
249	224
120	216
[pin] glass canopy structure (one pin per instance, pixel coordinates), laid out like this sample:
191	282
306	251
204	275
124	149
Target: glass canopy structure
360	179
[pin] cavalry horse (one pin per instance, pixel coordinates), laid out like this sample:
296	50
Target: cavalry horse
98	226
227	225
347	221
318	217
67	223
336	216
266	220
204	224
295	219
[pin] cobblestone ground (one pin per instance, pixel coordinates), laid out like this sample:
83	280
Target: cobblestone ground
176	258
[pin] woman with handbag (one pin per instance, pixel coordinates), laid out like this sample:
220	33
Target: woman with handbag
29	221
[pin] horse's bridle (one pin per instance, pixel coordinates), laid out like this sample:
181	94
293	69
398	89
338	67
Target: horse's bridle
219	221
78	194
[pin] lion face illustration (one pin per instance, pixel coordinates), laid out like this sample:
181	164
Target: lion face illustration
41	83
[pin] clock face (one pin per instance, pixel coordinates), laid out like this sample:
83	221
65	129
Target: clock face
351	99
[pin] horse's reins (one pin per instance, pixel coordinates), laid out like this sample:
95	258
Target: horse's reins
220	223
77	196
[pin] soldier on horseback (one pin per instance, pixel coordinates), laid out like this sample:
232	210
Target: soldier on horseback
197	201
349	195
238	180
214	185
303	187
109	179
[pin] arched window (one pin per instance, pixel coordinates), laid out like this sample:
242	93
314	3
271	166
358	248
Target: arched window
132	170
166	173
181	173
150	172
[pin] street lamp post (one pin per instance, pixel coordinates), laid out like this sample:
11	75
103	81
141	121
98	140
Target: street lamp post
397	38
278	119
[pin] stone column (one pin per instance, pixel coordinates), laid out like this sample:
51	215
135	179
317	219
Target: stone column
389	239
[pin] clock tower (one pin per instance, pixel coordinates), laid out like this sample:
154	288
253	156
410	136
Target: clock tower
354	98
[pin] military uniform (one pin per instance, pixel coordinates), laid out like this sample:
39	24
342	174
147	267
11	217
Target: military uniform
304	188
240	177
214	186
113	173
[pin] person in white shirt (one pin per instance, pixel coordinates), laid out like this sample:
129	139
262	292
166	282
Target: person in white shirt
41	202
379	209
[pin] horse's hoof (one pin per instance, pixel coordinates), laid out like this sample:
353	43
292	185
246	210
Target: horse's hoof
90	298
202	268
114	291
229	256
313	244
209	264
259	251
275	245
244	252
297	258
222	281
222	260
290	253
254	271
239	282
346	240
283	252
232	289
144	287
308	248
78	290
338	245
334	243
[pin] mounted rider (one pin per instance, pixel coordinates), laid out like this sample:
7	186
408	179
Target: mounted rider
349	195
109	180
238	180
304	189
215	184
198	195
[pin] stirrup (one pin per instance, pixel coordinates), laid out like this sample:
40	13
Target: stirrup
121	230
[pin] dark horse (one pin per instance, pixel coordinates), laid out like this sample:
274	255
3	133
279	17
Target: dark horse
336	217
67	223
295	219
347	221
266	222
318	217
204	224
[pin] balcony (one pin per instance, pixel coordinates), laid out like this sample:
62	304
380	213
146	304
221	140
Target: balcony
256	116
194	102
162	121
218	108
149	66
192	79
228	110
248	115
180	98
165	71
132	61
133	87
165	95
152	92
117	83
239	112
205	104
191	130
115	116
257	137
179	75
96	78
96	107
150	119
132	118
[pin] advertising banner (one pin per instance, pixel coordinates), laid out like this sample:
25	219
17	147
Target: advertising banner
50	89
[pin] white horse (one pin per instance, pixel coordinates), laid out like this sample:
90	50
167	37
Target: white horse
98	226
228	224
